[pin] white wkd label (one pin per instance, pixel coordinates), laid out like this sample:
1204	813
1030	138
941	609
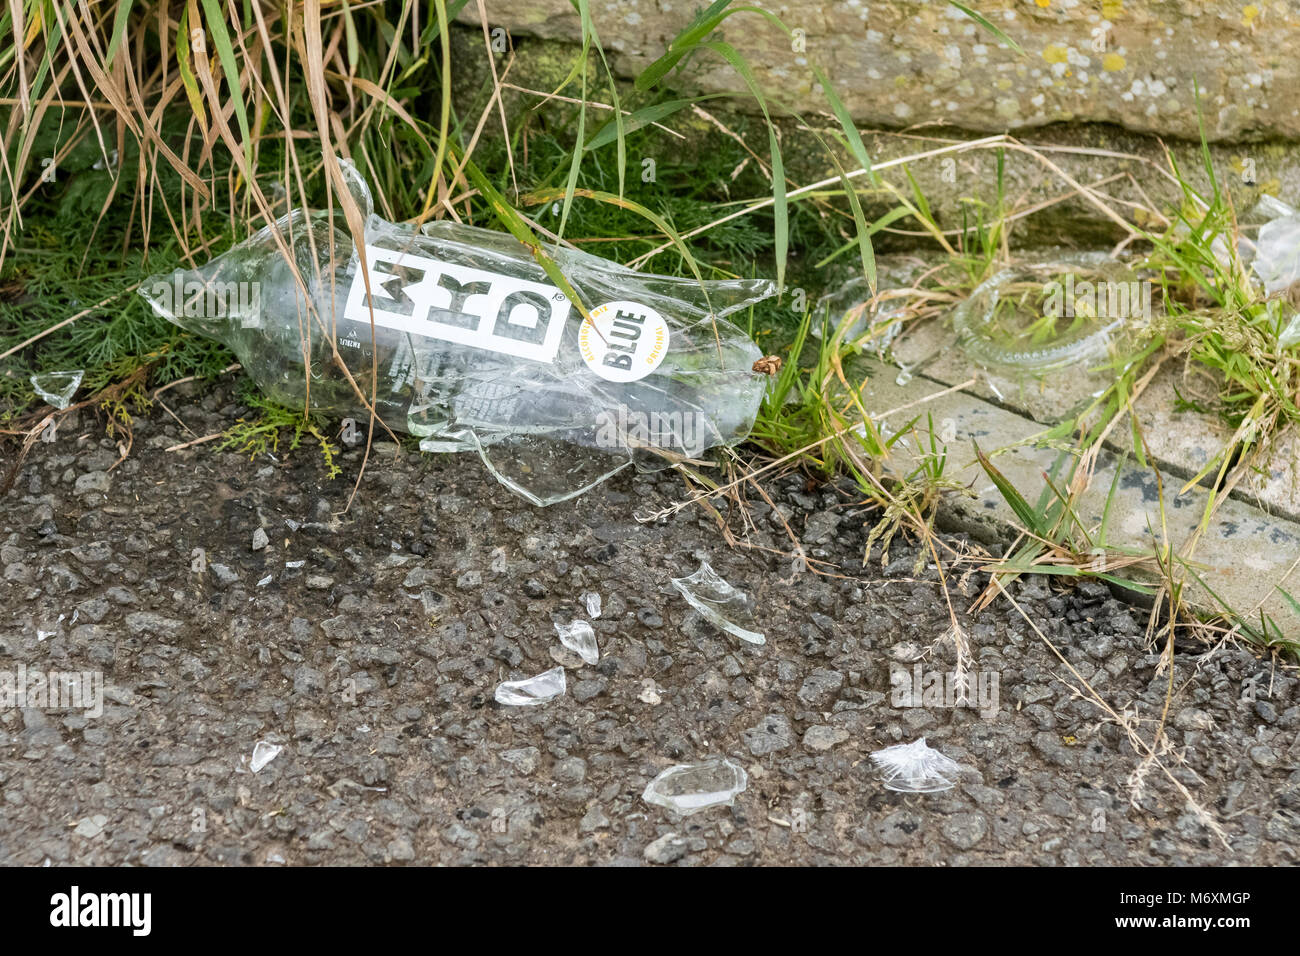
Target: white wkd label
471	307
623	341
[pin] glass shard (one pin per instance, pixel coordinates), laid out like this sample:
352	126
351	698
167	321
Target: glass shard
690	788
533	690
580	637
57	388
915	768
263	753
721	604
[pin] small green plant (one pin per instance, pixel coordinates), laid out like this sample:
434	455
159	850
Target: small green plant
1054	539
812	413
263	434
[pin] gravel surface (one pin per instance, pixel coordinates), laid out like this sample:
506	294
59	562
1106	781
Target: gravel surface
368	644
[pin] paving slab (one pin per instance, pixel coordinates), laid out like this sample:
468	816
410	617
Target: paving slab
1243	554
1181	438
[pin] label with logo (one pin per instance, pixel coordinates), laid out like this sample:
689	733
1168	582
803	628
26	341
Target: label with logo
623	341
471	307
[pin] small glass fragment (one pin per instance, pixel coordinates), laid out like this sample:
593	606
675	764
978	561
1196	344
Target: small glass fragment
533	690
592	600
722	605
689	788
263	753
915	768
866	318
580	637
57	388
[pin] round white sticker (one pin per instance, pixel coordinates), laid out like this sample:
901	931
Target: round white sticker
623	341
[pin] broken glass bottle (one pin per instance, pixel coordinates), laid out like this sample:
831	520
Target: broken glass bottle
463	340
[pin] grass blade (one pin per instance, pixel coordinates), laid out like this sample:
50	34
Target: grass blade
1030	518
987	25
216	23
704	24
641	118
120	20
780	207
851	134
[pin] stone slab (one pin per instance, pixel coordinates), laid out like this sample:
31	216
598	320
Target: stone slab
1134	63
1242	555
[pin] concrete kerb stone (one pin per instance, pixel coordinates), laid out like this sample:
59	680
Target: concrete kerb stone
1242	556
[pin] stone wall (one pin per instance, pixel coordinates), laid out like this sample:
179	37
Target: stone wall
908	63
